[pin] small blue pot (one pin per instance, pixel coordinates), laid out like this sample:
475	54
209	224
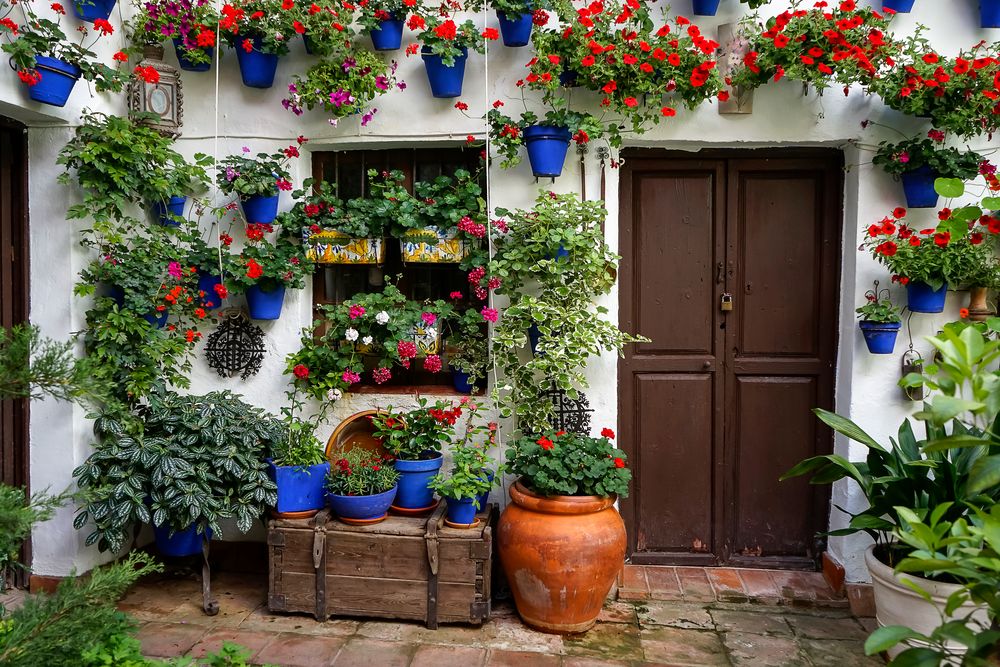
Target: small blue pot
256	68
206	284
260	209
300	489
461	511
388	36
918	186
705	7
569	78
922	298
165	213
880	336
515	30
534	335
414	476
264	304
362	508
91	10
547	146
898	6
186	64
56	84
445	80
989	13
485	495
461	381
185	542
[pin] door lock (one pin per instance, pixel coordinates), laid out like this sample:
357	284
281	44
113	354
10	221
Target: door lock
726	302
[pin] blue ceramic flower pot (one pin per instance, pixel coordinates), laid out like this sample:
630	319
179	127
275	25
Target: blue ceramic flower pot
484	497
56	84
898	6
414	476
547	146
880	336
186	64
705	7
922	298
206	284
461	381
91	10
445	80
300	488
265	304
256	68
569	78
989	13
388	36
515	30
260	209
461	511
362	508
165	212
185	542
918	186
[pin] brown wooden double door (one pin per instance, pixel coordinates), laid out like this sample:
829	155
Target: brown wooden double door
718	405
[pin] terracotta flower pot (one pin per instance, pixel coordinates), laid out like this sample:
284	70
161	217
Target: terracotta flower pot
561	555
979	307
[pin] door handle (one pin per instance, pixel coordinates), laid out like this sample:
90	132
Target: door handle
706	365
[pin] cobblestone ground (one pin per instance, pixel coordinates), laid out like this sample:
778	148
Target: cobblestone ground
633	633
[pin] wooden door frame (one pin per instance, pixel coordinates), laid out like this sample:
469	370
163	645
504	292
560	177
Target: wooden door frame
653	158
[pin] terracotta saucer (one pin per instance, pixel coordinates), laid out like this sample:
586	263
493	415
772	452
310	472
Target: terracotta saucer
305	514
461	525
362	522
422	511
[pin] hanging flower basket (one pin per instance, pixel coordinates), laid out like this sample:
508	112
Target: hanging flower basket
186	64
880	336
265	304
91	10
445	80
260	209
165	213
989	13
547	146
332	247
705	7
922	298
256	67
431	245
918	186
515	30
57	80
388	36
898	6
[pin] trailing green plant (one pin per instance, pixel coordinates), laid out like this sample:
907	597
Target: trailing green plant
570	464
18	512
177	461
878	307
261	175
343	86
317	208
468	344
947	162
472	471
413	435
33	366
361	472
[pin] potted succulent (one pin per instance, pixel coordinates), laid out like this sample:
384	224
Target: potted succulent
50	65
258	30
180	463
361	486
184	22
920	161
345	85
336	232
298	462
415	438
445	48
384	21
266	268
880	321
564	498
257	181
516	19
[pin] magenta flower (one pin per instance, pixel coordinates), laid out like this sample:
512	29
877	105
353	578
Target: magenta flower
350	377
174	269
489	314
356	311
429	319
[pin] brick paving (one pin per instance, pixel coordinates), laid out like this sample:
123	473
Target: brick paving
722	617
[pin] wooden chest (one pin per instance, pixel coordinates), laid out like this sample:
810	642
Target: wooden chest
402	568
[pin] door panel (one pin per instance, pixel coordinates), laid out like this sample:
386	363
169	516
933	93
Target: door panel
718	405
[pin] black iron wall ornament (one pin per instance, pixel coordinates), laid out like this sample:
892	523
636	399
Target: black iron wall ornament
571	414
237	346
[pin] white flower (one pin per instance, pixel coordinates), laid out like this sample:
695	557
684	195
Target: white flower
382	317
367	340
334	395
351	334
430	332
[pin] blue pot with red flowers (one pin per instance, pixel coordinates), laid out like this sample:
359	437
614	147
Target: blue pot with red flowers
705	7
445	80
515	29
880	337
179	543
168	212
918	186
462	511
53	80
898	6
989	13
91	10
256	67
362	509
414	478
264	301
301	489
546	146
260	209
388	36
208	284
922	298
186	64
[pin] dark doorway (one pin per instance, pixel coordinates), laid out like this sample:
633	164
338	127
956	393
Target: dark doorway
718	405
13	296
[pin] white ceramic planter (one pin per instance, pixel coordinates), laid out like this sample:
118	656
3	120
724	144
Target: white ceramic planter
897	604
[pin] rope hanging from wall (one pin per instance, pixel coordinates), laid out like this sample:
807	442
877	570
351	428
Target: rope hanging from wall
236	346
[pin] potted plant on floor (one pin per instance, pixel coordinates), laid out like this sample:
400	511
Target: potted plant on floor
920	161
384	21
343	85
298	463
186	23
361	486
258	181
258	30
444	47
564	498
880	321
180	463
266	268
333	231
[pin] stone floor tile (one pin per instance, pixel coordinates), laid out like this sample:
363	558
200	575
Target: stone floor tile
213	640
803	585
151	603
634	585
838	653
262	620
819	627
448	656
676	615
167	640
510	634
612	641
389	630
727	584
663	583
754	650
618	612
673	646
231	614
503	658
573	661
294	650
759	585
695	584
754	621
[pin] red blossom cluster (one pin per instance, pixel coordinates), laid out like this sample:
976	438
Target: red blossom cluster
449	416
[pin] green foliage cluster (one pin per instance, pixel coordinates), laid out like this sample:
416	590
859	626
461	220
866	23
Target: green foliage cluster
17	514
361	472
299	447
947	162
413	435
245	176
468	344
570	464
878	309
33	366
317	205
271	263
342	85
472	471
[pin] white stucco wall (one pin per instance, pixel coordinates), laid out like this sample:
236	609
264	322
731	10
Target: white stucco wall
221	116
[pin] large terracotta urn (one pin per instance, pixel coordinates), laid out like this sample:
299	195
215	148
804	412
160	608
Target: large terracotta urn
561	555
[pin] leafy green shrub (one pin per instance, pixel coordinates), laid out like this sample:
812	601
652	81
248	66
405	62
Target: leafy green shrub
32	366
17	514
360	472
417	434
569	464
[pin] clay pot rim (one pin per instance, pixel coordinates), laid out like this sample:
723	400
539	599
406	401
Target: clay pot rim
521	495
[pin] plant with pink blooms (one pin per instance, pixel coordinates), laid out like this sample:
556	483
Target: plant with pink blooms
928	150
343	85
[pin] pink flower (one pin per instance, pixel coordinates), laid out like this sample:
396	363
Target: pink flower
489	314
903	157
283	184
429	319
455	295
493	283
356	311
174	269
381	375
350	377
406	349
476	274
432	363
